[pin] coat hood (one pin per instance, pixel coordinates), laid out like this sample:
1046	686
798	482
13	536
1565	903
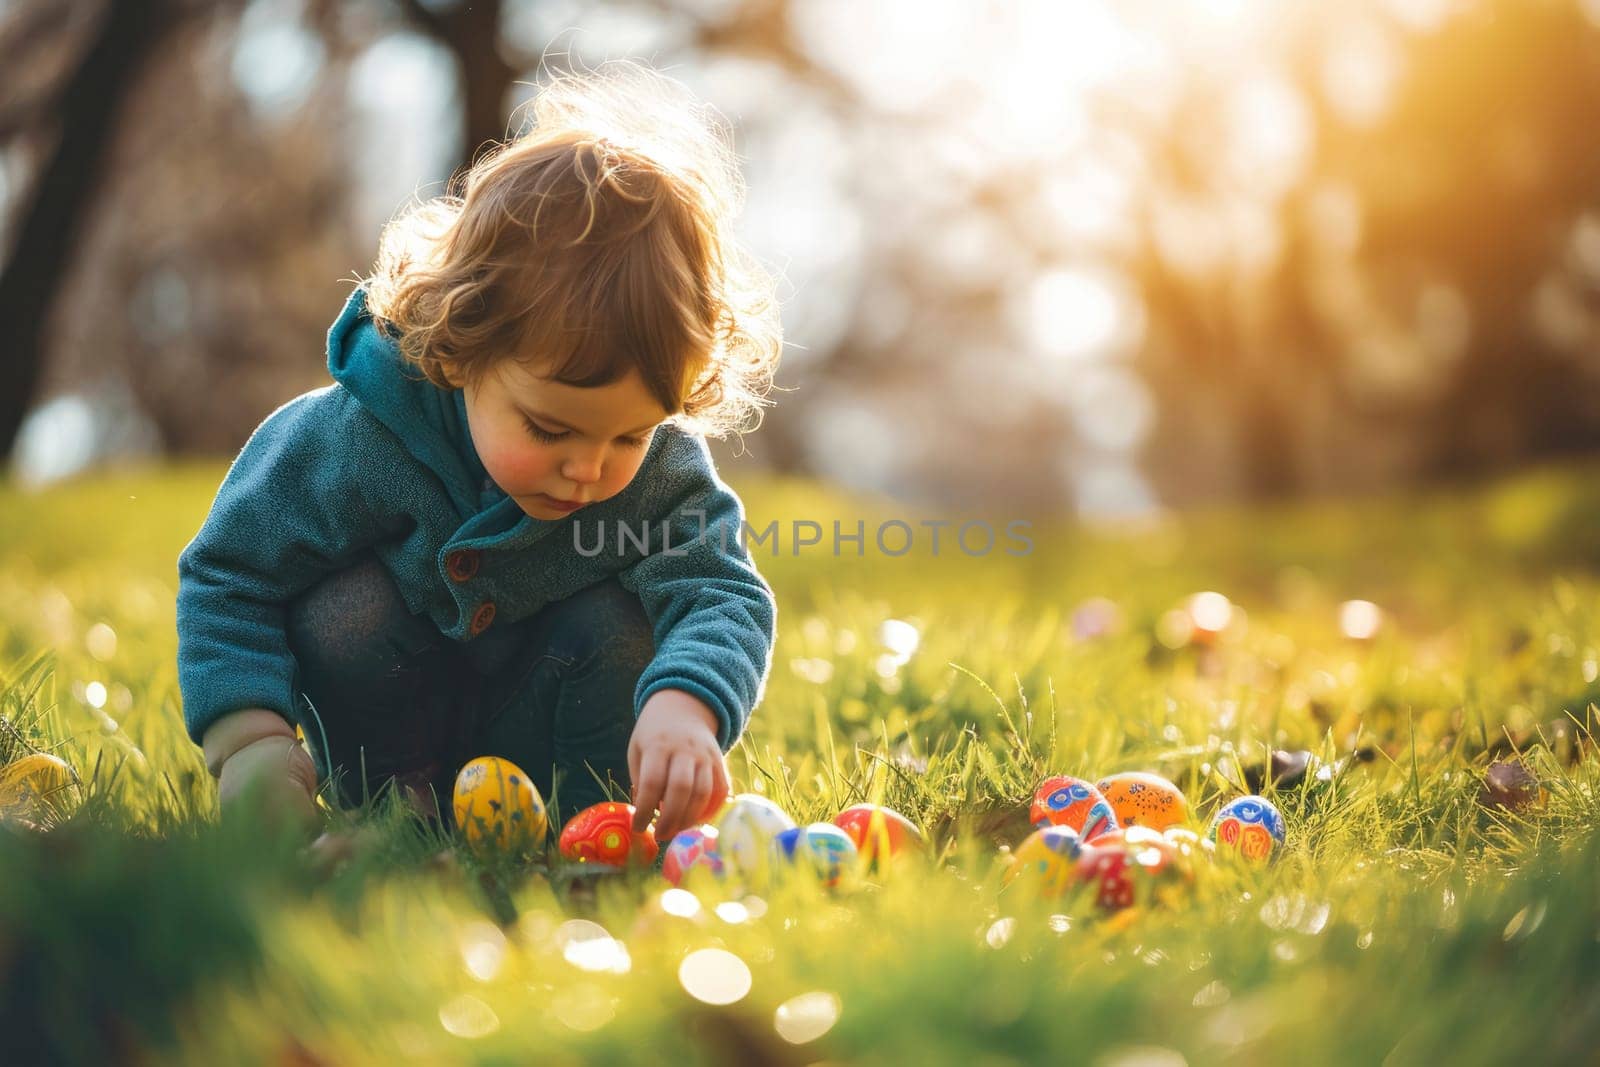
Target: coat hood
430	421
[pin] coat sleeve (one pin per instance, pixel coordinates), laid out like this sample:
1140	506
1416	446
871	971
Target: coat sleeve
714	617
293	507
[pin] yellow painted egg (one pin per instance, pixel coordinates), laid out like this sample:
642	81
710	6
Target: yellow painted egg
1047	858
497	806
36	787
1141	799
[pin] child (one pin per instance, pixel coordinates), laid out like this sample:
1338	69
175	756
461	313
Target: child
391	562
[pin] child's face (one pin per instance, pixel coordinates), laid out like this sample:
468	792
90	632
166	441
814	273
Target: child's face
543	442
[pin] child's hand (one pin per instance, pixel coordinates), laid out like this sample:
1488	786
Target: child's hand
675	763
260	765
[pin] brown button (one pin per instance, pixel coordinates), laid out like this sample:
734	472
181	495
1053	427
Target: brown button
462	564
482	617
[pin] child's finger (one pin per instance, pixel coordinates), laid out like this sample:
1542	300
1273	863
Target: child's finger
701	800
633	766
652	779
675	808
720	788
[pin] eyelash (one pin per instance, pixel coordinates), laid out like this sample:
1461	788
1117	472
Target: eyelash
546	437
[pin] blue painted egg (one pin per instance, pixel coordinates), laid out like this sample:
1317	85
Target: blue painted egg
1249	827
821	846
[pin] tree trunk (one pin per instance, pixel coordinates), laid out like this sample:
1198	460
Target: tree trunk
63	190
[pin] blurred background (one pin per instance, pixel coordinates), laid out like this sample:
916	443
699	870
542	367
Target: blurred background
1093	257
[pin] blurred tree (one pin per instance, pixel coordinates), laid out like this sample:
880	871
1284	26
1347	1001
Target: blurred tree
1425	309
473	34
109	45
221	246
1481	189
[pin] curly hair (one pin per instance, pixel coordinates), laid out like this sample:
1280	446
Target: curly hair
595	243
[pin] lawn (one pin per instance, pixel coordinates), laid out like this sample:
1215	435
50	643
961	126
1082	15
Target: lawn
1408	919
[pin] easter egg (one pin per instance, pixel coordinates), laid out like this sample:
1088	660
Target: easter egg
745	828
603	833
1106	869
691	852
1141	799
879	833
35	787
1062	800
1137	861
496	806
822	847
1249	827
1047	858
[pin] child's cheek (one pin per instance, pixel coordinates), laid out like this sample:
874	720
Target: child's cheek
517	469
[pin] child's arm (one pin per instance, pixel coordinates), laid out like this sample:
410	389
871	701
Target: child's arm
714	617
296	503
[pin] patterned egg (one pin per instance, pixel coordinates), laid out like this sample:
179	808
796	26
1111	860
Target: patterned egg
35	787
496	806
603	833
1141	799
1107	870
1047	858
1249	827
1133	862
878	833
821	846
1066	801
691	853
745	828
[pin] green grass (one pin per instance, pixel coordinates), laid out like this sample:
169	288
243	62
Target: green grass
1405	922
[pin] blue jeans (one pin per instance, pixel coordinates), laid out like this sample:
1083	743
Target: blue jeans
382	694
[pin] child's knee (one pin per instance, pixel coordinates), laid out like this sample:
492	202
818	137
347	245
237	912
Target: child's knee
606	621
352	624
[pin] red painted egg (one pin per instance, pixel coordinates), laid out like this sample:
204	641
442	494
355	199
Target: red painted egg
1141	799
604	834
1107	870
1135	862
1062	800
878	831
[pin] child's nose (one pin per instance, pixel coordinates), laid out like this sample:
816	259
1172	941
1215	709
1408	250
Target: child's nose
582	469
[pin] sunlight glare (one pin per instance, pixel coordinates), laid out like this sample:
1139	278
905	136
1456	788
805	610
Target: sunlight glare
1359	620
468	1017
715	976
806	1017
1073	313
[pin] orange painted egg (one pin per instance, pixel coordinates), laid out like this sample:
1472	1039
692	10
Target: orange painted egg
1062	800
604	834
1046	858
1141	799
878	832
497	806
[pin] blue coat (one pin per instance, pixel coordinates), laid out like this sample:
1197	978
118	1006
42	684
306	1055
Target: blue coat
382	460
